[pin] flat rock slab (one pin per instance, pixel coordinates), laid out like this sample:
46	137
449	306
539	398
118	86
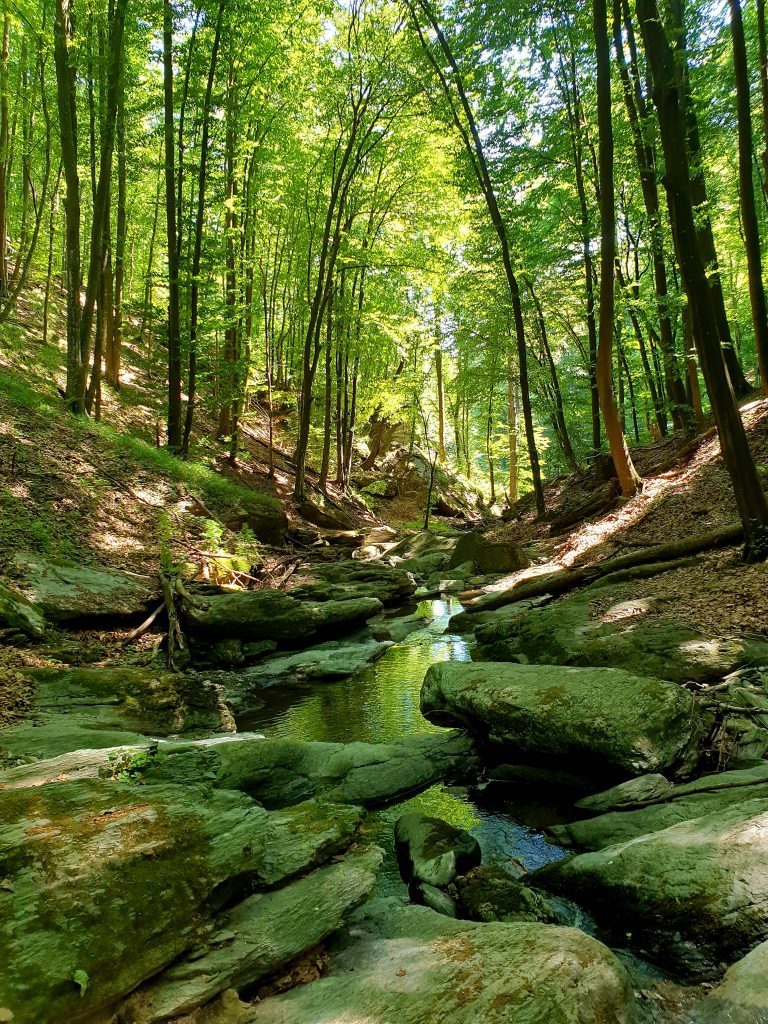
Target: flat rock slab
282	772
104	707
106	882
278	773
350	578
323	662
411	965
694	894
260	935
18	613
72	593
597	719
627	634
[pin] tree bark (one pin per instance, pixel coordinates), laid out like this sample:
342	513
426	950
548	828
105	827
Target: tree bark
748	491
747	195
629	481
174	439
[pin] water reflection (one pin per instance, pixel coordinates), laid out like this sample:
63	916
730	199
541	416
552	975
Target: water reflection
380	704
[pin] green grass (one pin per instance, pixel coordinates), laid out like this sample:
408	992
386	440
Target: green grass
213	489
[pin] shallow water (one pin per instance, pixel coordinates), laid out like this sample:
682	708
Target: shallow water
380	704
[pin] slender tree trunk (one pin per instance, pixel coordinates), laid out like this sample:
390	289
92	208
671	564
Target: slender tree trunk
327	417
748	491
197	246
64	52
762	46
629	480
174	439
4	156
115	340
747	194
512	433
440	392
51	241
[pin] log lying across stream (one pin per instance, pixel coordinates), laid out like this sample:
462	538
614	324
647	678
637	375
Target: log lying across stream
566	579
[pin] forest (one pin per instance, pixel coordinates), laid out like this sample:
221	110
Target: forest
383	517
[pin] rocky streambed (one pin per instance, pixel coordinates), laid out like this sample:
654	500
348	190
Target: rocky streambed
552	842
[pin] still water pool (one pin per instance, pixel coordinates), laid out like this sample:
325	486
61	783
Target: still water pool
380	704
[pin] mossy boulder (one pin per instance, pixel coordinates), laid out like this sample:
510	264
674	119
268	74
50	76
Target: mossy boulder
487	557
336	581
430	850
693	894
488	893
600	627
104	882
72	594
603	720
411	965
18	613
103	707
742	995
257	938
272	615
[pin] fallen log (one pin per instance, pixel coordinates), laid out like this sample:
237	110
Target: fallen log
566	579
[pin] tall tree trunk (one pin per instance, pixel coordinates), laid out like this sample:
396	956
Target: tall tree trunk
440	391
512	433
4	156
628	478
762	46
645	155
747	194
698	188
115	340
748	491
64	52
174	438
197	245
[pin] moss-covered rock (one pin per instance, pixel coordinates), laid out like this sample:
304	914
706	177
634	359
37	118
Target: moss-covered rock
411	965
742	995
18	613
103	707
489	894
336	581
430	850
77	594
104	883
694	894
487	557
603	720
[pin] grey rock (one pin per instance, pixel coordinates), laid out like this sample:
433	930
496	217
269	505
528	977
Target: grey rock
410	965
70	593
742	995
693	894
432	851
425	895
487	557
353	579
261	934
627	794
603	719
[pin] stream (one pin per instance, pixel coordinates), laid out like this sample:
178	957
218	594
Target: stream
380	704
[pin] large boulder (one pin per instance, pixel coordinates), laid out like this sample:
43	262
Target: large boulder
19	614
742	995
105	883
335	581
602	720
600	626
273	615
693	894
261	935
432	851
103	707
410	965
486	556
77	594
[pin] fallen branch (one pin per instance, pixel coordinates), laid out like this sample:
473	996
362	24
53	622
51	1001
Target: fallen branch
566	579
175	634
143	628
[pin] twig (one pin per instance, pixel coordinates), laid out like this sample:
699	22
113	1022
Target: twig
143	628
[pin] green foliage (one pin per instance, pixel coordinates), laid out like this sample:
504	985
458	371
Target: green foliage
81	979
130	767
